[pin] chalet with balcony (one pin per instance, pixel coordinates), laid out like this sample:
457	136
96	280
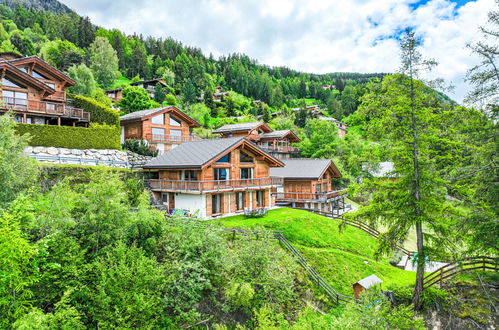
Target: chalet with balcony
214	177
148	85
277	143
35	91
309	184
162	128
219	94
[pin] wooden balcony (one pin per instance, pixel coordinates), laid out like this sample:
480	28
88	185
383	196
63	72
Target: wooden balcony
57	96
36	107
198	187
308	197
282	149
171	139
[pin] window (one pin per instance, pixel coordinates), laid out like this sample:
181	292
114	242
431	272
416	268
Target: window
176	135
10	83
318	188
24	69
38	75
224	159
51	85
15	99
50	106
216	203
244	158
160	119
189	175
111	95
259	198
174	122
158	131
29	120
164	198
221	174
246	173
324	187
240	200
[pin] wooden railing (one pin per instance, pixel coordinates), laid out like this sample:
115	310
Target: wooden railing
284	149
214	185
161	138
57	96
459	266
42	107
307	197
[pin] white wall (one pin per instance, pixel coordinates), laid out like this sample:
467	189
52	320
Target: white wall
191	202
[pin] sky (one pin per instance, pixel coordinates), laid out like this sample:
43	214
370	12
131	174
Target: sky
316	36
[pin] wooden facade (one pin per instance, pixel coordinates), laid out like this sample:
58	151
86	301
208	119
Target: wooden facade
35	91
163	128
237	179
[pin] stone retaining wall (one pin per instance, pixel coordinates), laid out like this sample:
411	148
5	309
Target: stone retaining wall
106	157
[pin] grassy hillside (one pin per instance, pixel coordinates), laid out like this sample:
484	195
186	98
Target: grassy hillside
342	257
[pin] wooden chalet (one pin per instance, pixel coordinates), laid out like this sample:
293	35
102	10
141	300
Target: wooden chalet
35	91
149	85
277	143
309	184
214	177
162	128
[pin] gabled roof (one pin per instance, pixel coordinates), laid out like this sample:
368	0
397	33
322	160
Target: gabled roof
243	127
35	59
161	81
304	168
26	78
199	154
281	134
145	114
369	281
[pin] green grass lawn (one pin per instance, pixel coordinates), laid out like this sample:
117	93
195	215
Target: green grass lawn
342	257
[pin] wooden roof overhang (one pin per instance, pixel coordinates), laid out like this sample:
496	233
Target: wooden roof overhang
176	111
290	135
22	77
36	61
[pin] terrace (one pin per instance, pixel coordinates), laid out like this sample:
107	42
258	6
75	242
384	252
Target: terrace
43	108
198	187
309	197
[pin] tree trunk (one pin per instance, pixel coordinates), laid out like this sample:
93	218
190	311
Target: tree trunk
418	288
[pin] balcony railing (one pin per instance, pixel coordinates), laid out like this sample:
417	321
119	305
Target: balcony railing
214	185
308	197
42	107
161	138
283	149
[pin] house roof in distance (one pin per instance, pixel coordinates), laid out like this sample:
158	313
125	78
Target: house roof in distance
280	134
304	168
150	81
242	127
145	114
197	154
369	281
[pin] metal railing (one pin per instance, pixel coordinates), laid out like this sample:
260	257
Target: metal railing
77	160
213	185
42	107
308	197
161	138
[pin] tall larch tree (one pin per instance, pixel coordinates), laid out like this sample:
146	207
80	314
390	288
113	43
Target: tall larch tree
103	61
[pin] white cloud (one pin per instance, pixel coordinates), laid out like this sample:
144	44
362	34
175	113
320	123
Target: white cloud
315	36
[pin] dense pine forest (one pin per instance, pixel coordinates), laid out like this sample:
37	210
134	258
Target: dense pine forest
82	247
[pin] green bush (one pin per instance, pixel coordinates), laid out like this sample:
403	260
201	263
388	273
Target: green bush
139	147
99	113
94	137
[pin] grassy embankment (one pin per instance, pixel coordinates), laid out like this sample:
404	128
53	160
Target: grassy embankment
341	257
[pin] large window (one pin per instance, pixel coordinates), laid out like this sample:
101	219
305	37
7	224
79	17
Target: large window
15	99
160	119
224	159
51	85
244	158
174	121
216	203
240	200
259	198
189	175
246	173
158	131
221	174
10	83
39	75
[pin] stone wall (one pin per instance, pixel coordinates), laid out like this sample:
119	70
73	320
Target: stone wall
106	157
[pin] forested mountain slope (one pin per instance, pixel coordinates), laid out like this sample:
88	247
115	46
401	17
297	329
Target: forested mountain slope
47	5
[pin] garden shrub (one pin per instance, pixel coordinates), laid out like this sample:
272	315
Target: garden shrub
99	113
94	137
139	147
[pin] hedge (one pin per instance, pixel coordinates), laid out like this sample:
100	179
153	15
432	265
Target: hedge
94	137
99	113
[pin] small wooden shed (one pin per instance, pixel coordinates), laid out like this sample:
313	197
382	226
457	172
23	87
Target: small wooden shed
364	284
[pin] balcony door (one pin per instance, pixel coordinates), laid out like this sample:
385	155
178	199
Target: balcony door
216	203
